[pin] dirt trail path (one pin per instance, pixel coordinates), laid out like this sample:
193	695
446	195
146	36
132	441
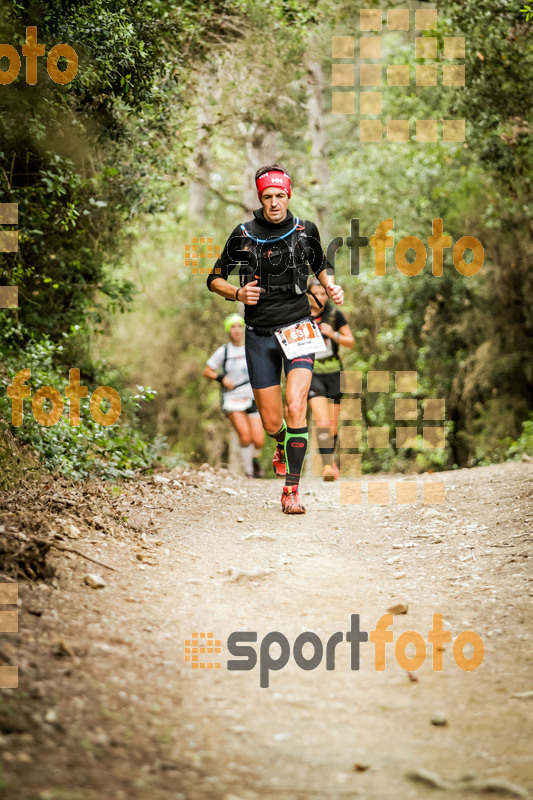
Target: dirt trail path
122	716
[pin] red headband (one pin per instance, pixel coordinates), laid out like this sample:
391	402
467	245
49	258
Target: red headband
278	179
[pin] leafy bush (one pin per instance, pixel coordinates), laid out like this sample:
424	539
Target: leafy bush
524	444
115	451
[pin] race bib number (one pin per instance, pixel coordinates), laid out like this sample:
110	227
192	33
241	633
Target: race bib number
301	338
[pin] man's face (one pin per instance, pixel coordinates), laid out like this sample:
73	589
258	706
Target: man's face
274	202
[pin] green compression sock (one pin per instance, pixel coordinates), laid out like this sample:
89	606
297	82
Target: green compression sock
296	442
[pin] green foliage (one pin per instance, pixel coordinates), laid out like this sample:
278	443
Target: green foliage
115	451
59	156
83	159
523	446
100	169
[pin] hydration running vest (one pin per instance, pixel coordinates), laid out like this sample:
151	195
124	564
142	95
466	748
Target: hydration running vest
294	278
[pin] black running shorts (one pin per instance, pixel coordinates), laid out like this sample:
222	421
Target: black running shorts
265	358
326	385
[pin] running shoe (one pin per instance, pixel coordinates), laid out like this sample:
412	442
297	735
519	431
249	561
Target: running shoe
259	472
290	501
330	473
278	462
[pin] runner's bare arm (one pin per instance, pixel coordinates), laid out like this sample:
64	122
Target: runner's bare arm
226	382
209	373
345	337
333	290
248	294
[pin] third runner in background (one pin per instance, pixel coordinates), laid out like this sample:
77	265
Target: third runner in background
325	390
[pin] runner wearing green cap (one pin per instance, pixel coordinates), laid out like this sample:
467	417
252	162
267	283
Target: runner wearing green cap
227	365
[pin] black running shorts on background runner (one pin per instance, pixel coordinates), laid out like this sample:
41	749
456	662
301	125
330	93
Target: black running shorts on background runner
265	357
326	385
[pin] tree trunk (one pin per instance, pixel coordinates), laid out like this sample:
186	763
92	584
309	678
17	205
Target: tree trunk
316	116
200	161
261	148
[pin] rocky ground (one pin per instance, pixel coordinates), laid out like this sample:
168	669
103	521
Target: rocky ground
108	708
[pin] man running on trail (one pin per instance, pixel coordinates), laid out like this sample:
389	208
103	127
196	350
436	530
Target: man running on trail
273	251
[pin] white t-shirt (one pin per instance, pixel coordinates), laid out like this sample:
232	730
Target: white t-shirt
238	399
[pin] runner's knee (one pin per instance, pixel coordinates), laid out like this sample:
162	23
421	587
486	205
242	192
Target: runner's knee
258	440
296	406
272	424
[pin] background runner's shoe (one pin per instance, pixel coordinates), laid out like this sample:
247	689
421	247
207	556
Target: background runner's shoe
290	501
278	462
259	472
330	473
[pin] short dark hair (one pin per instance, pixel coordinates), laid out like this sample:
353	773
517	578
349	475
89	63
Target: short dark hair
270	168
